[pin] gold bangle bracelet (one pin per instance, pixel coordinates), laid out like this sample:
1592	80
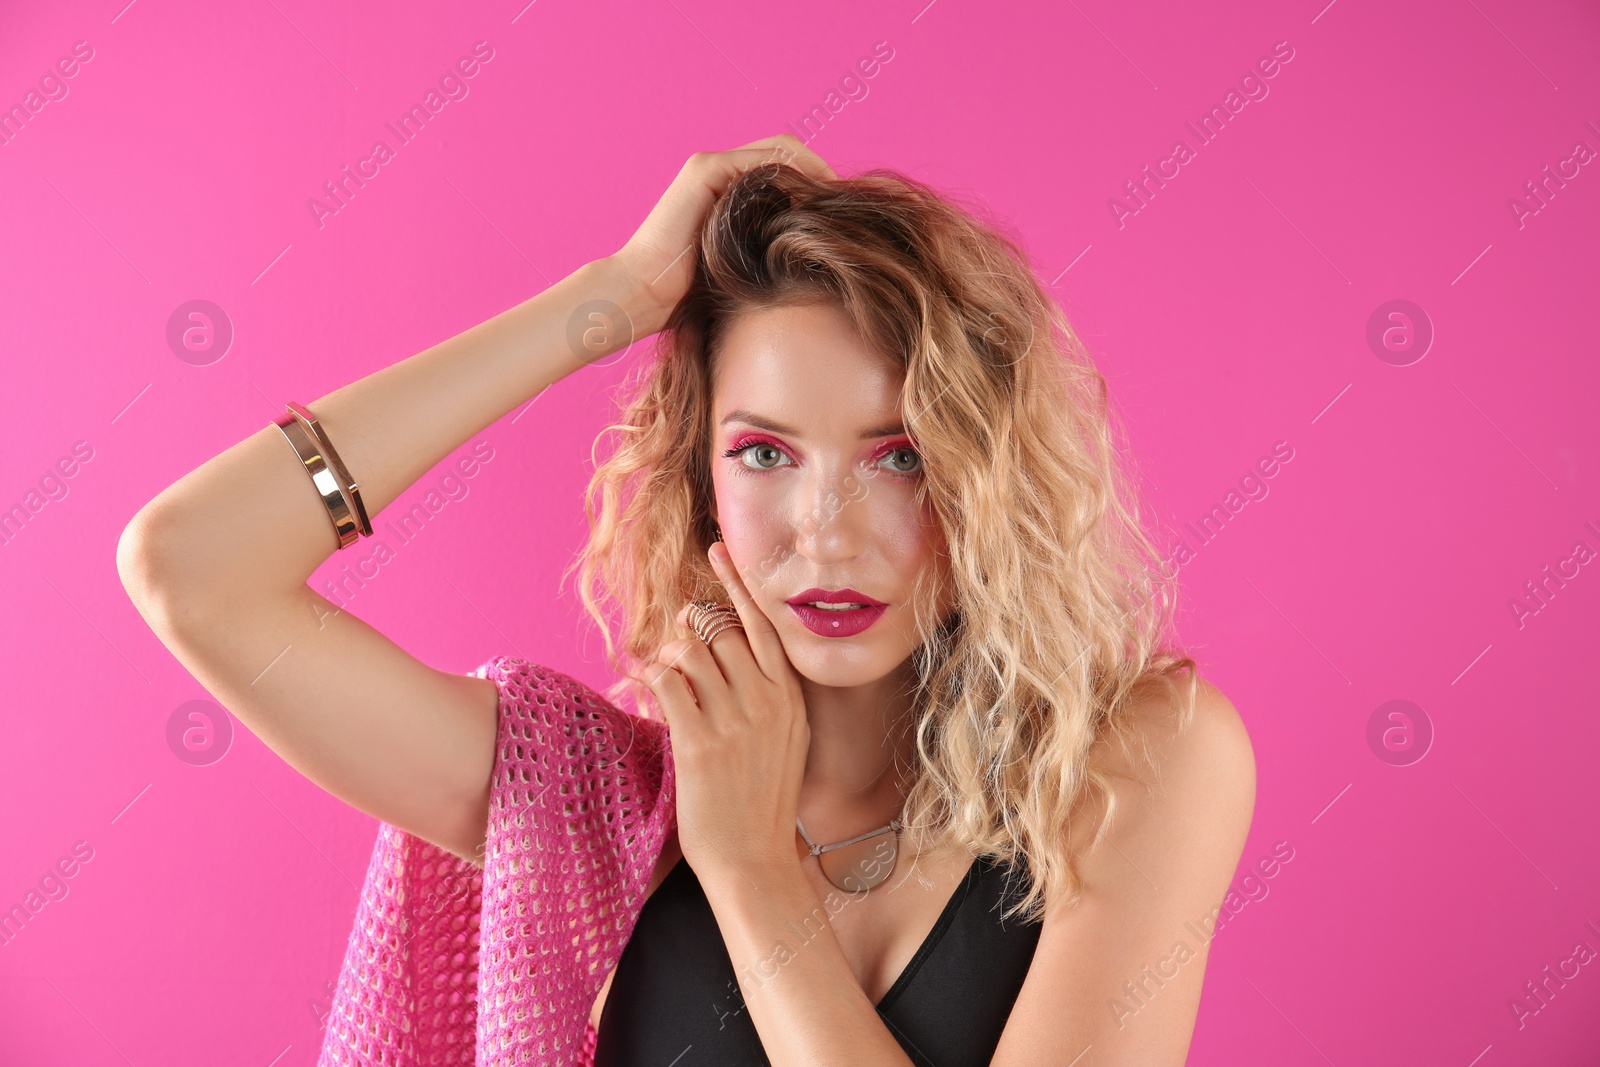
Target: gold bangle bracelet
340	471
323	479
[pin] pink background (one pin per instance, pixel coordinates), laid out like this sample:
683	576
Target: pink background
1230	312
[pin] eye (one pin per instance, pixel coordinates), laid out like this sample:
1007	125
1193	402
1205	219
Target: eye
762	450
898	454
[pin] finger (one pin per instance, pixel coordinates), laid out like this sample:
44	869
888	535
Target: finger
707	684
759	631
672	693
726	167
787	148
731	650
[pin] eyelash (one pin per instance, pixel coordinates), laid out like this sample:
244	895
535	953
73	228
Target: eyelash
745	444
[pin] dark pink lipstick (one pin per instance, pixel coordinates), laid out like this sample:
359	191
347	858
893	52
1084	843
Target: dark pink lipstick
836	622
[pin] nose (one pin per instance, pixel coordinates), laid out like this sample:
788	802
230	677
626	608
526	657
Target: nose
834	527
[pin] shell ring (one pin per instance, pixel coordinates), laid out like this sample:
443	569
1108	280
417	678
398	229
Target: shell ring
707	619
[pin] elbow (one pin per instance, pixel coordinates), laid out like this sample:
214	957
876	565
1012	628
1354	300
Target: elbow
149	564
137	557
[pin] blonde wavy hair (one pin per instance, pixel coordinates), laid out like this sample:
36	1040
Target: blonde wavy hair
1062	606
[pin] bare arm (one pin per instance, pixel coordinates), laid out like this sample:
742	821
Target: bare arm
1116	978
218	562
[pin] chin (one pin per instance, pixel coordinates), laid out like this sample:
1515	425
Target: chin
839	675
840	663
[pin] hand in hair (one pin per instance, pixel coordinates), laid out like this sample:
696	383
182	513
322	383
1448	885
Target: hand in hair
660	255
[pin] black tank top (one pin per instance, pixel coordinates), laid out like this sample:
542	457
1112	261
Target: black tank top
674	999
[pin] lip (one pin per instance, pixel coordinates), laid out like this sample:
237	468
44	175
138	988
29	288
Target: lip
825	623
841	596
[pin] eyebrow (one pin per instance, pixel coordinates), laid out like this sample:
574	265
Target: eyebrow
764	423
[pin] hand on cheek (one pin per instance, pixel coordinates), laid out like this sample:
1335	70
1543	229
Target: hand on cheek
737	726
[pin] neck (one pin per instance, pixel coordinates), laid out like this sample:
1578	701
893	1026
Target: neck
862	748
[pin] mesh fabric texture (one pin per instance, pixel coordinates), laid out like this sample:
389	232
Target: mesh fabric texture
452	964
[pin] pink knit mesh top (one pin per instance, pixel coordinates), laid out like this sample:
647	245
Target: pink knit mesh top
450	963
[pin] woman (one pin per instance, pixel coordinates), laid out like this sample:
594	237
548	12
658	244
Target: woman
872	433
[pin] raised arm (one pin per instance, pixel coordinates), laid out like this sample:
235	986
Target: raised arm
218	566
218	562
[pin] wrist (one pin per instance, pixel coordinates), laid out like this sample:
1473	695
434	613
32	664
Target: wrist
614	281
752	878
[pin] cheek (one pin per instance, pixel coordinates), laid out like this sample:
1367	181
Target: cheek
752	525
914	544
908	536
745	509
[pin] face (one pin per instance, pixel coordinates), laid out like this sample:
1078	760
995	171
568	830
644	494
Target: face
820	490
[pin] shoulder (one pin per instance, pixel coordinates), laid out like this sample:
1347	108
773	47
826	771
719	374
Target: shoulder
1196	741
1135	941
1182	780
1183	740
